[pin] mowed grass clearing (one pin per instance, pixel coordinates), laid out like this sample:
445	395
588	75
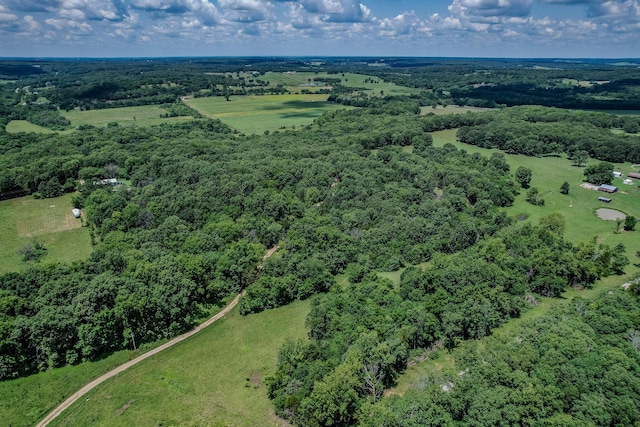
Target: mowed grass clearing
50	221
256	114
214	378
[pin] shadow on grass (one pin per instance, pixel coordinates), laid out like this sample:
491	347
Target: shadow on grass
301	105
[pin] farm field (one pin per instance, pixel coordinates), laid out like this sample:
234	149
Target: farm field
256	114
50	221
297	81
213	378
125	116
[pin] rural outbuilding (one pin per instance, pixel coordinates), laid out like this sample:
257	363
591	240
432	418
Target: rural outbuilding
634	175
628	181
76	212
604	199
617	174
608	188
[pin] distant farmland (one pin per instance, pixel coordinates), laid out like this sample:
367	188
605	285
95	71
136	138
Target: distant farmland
256	114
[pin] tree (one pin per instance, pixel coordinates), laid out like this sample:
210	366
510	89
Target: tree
534	197
564	188
580	158
523	176
630	223
599	174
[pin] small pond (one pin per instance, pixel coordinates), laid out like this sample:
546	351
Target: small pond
610	214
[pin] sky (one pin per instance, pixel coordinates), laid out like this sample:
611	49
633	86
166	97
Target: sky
428	28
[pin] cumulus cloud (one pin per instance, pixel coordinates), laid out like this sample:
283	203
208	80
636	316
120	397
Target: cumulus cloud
492	7
248	11
406	23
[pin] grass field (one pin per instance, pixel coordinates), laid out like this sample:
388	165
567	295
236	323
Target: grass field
125	116
255	114
16	126
295	82
48	220
212	379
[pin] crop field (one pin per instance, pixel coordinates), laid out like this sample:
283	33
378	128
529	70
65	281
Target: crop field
125	116
214	378
256	114
50	221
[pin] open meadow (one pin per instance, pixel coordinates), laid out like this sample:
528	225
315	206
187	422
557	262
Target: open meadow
50	222
371	85
126	116
256	114
214	378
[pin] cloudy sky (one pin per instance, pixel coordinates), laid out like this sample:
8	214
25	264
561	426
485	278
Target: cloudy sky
479	28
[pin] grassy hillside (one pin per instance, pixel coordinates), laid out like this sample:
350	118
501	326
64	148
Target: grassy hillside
214	378
255	114
50	221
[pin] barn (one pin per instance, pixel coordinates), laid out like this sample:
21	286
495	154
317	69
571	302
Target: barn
608	188
634	175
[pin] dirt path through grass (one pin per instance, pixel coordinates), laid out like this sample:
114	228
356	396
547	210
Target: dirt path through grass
93	384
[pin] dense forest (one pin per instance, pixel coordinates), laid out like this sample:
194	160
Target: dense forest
357	192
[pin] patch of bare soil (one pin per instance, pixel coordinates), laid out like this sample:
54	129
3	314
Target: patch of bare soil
610	214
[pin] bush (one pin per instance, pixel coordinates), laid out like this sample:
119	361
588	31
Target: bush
534	197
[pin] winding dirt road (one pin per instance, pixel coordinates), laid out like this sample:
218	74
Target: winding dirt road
93	384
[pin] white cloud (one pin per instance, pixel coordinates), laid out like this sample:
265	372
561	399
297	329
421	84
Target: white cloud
69	25
406	23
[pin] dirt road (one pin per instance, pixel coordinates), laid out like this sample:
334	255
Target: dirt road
84	390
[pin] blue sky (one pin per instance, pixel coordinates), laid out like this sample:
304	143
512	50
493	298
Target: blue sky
482	28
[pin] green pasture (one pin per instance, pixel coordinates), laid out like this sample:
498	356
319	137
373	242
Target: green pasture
50	221
215	378
147	115
297	81
25	401
17	126
256	114
578	207
126	116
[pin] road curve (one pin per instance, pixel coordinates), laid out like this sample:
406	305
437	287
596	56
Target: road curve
93	384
